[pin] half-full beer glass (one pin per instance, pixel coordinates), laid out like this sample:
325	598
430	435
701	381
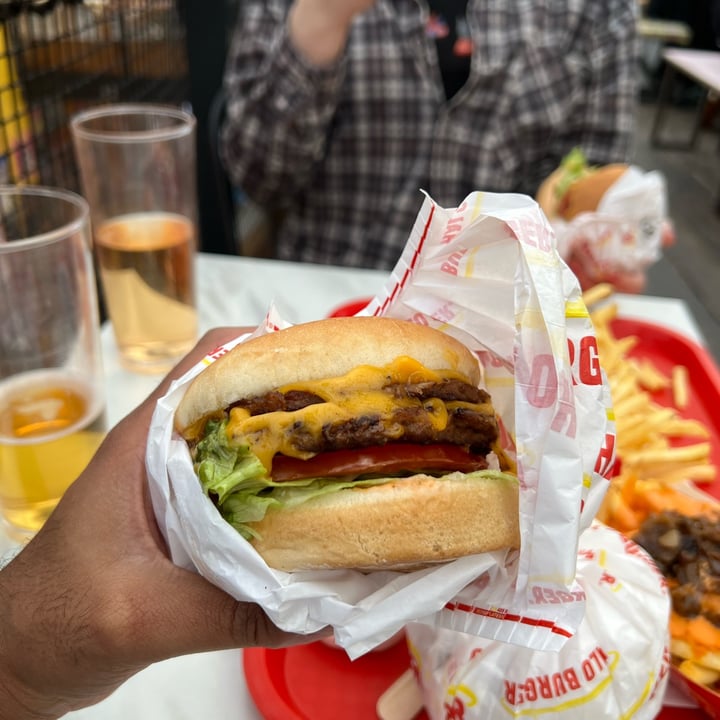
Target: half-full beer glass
137	165
51	380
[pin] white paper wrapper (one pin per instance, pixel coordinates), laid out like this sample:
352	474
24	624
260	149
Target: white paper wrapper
489	274
625	232
615	666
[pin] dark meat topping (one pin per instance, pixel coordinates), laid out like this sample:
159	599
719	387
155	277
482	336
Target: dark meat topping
687	551
276	401
473	429
446	390
469	427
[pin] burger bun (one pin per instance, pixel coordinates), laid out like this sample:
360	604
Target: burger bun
404	524
316	350
583	195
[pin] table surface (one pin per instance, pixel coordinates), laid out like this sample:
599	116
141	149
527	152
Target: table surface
665	30
702	66
239	291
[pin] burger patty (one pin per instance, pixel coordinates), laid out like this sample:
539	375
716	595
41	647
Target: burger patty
468	427
292	400
410	425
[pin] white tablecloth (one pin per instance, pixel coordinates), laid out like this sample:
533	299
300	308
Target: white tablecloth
238	291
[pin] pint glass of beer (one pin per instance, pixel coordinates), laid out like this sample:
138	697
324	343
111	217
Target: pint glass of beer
137	166
51	379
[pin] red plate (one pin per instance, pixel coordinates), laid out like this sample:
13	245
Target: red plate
349	309
317	682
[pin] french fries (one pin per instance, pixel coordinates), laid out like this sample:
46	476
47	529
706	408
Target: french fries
659	451
680	386
695	645
655	444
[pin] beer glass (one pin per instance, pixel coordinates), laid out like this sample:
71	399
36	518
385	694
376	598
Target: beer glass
51	378
137	166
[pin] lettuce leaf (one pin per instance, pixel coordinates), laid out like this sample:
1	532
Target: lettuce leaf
237	482
574	166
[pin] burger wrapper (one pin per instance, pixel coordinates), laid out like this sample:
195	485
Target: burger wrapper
615	666
487	273
625	233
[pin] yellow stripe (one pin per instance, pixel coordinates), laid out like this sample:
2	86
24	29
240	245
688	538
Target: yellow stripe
500	382
465	690
530	319
478	206
470	263
576	309
541	258
641	700
596	692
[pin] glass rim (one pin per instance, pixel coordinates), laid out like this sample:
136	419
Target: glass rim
184	128
65	230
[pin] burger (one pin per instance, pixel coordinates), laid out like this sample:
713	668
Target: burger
352	442
576	187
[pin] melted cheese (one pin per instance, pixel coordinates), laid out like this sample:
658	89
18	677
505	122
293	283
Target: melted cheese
356	394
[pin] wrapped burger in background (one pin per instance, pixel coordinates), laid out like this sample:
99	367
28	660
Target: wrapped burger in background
609	218
615	666
487	273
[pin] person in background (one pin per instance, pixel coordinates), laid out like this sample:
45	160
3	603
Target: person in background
94	597
340	111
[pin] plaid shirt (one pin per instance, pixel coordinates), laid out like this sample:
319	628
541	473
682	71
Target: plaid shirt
343	151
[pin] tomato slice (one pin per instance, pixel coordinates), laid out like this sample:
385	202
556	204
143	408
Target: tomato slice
389	458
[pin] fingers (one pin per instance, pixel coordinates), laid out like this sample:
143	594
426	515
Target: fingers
194	616
667	234
631	282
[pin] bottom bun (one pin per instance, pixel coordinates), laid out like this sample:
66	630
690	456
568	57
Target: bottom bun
399	525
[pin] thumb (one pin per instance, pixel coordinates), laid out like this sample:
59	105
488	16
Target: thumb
195	616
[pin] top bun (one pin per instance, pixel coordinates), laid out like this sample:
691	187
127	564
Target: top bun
582	195
316	350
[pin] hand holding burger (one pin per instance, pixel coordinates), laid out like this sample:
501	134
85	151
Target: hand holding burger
94	598
577	187
352	443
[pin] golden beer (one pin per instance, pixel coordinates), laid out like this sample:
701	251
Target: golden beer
49	429
146	266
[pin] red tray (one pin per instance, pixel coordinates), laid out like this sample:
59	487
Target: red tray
666	348
348	309
317	682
